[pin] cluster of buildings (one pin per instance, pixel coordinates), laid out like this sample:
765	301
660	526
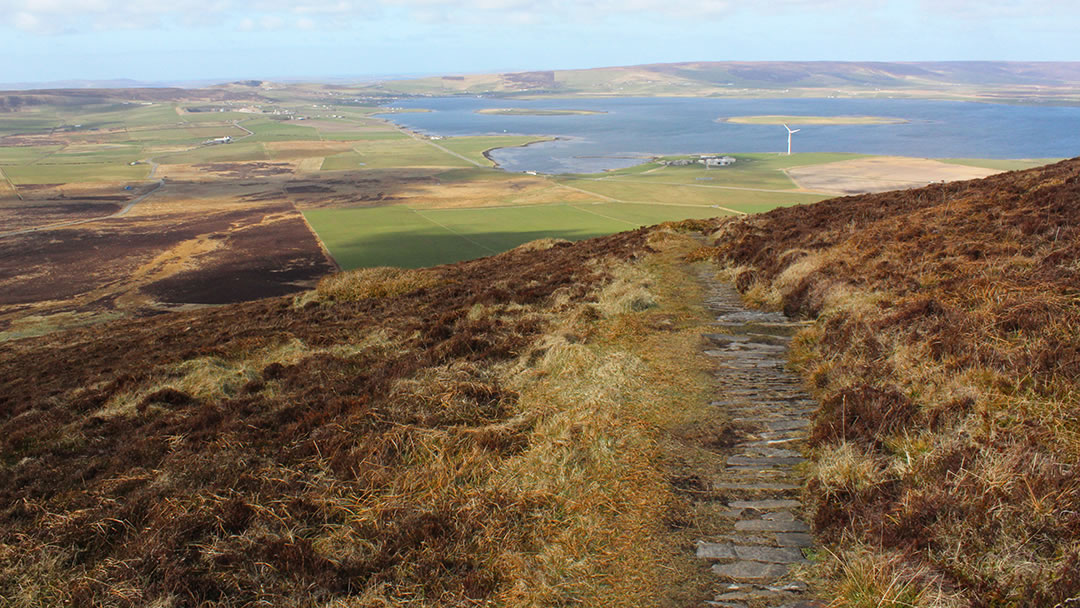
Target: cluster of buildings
709	160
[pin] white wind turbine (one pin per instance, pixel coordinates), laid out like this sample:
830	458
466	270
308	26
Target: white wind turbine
789	132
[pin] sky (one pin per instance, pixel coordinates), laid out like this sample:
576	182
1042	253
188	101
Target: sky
170	41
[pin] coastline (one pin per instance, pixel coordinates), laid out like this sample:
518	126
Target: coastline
495	164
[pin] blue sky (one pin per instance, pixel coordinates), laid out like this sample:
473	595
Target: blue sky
177	40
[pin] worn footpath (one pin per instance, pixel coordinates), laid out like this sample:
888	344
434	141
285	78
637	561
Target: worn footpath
760	481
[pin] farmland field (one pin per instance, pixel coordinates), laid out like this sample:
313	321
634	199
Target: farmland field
474	147
387	153
224	223
756	182
413	238
75	172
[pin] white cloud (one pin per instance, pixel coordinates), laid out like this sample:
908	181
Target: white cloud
54	16
26	22
329	8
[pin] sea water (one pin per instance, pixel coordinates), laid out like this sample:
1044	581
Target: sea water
628	130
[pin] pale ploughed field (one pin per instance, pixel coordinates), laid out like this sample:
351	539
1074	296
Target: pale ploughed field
879	174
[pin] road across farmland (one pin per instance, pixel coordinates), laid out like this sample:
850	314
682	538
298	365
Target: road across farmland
417	137
10	183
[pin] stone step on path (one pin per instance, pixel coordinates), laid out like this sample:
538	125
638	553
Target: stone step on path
766	535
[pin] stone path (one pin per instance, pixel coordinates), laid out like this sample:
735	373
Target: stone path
766	534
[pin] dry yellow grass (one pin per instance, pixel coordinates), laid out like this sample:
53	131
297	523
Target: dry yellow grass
491	193
288	150
879	174
492	433
944	358
363	283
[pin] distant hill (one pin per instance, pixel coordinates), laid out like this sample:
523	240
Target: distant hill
14	100
118	83
995	80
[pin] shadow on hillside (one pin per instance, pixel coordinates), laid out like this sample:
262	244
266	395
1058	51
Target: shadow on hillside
417	248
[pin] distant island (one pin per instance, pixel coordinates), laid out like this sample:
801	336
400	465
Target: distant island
988	81
813	120
536	112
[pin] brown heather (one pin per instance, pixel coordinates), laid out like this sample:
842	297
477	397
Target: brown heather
484	433
946	355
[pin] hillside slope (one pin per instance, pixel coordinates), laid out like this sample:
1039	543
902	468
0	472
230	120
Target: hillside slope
484	433
991	80
507	431
946	355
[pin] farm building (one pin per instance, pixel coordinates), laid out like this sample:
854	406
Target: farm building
717	161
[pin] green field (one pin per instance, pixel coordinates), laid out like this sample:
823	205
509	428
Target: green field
66	173
180	135
23	155
111	136
30	122
392	153
756	182
274	130
201	117
93	154
748	201
362	135
474	147
400	236
238	151
122	115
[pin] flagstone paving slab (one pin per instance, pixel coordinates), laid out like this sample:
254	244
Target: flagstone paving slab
760	477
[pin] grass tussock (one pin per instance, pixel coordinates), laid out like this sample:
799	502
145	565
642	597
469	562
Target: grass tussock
482	434
627	292
945	355
541	244
868	579
380	282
